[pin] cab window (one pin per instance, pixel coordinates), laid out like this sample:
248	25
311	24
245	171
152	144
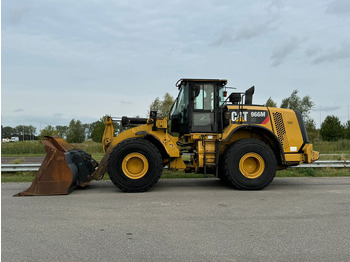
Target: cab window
205	97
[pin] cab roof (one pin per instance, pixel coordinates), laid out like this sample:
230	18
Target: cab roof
222	81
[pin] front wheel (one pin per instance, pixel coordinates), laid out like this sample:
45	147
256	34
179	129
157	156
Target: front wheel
250	164
135	165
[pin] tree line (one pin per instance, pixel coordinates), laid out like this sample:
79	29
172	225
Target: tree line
75	132
23	132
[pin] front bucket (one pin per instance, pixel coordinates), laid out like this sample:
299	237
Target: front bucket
55	175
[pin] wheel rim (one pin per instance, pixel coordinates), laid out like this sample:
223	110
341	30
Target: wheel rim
252	165
135	165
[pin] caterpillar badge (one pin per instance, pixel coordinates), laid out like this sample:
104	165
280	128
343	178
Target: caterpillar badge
228	136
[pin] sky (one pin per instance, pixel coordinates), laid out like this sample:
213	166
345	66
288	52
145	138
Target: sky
64	60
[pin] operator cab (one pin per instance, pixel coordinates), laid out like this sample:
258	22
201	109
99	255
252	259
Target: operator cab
196	109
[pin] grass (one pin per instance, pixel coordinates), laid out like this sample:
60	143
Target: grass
313	172
36	148
327	147
26	148
335	157
18	177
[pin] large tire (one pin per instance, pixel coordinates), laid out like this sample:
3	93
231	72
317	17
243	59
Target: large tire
250	164
221	174
135	165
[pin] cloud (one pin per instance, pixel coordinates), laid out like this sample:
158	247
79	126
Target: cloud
123	102
335	54
16	14
283	50
249	31
339	7
18	110
312	51
328	108
257	25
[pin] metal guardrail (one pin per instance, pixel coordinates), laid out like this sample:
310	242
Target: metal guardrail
317	164
20	167
328	163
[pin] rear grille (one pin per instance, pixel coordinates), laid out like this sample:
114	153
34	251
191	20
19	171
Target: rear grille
281	131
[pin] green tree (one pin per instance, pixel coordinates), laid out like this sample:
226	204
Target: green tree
88	130
331	129
97	129
31	132
62	131
48	131
304	105
8	132
310	126
155	106
347	130
162	106
270	103
76	132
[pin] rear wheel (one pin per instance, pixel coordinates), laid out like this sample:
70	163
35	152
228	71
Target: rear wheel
135	165
250	164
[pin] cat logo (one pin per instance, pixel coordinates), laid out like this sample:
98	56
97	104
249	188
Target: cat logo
260	117
239	116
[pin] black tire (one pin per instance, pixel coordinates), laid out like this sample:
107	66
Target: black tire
222	175
250	164
135	165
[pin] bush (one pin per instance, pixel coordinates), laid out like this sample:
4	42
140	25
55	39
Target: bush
23	148
331	129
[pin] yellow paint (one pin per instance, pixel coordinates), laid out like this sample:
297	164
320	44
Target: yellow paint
178	164
309	154
288	131
252	165
162	123
206	152
162	135
135	165
283	123
108	133
294	157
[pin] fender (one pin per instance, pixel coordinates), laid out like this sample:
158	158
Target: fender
263	131
165	139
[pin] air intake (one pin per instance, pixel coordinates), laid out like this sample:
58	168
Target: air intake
281	131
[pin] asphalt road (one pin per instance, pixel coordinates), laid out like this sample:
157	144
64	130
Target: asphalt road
294	219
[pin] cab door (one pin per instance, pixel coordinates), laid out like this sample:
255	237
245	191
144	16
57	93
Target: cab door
203	108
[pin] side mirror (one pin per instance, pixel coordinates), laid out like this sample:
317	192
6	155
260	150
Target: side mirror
153	114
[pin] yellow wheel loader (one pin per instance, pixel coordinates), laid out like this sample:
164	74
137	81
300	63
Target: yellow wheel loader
211	133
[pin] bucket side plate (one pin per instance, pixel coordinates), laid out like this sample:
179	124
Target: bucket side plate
54	176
